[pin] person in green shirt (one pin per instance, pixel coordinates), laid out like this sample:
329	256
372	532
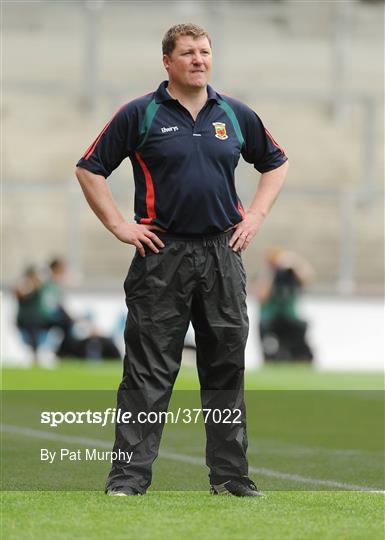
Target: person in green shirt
55	316
282	331
30	318
40	308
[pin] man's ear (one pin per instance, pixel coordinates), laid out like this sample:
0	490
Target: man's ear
166	61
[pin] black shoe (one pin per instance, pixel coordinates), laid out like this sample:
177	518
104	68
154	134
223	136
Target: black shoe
122	492
240	487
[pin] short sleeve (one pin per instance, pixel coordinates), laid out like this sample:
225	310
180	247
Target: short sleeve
260	148
113	144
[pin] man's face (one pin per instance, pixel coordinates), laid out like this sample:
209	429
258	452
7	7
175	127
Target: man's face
189	64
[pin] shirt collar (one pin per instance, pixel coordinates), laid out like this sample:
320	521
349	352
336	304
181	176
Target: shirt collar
161	95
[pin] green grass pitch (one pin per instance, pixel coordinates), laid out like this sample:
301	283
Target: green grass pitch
313	437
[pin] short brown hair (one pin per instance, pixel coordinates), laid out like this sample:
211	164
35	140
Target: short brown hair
187	29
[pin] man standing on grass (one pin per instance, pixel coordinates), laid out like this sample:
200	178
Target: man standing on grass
184	141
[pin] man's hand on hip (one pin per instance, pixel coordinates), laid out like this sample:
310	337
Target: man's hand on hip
138	235
246	230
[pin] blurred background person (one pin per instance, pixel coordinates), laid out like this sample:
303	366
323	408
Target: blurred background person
39	310
45	325
90	343
282	331
55	316
30	316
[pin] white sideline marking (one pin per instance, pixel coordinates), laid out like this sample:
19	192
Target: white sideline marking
29	432
282	448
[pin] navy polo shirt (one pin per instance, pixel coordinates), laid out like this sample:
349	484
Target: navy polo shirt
184	169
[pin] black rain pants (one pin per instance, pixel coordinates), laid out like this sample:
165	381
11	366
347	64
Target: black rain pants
199	279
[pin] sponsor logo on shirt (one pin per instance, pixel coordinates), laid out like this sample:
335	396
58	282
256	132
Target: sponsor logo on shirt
220	130
168	129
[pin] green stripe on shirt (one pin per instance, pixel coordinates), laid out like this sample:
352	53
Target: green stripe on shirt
149	114
231	114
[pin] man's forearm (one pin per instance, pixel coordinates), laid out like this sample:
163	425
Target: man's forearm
270	184
99	197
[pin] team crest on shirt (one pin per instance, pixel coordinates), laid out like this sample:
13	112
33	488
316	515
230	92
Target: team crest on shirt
220	130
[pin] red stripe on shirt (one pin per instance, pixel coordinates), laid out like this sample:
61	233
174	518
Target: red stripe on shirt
274	141
91	148
241	210
150	194
93	145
